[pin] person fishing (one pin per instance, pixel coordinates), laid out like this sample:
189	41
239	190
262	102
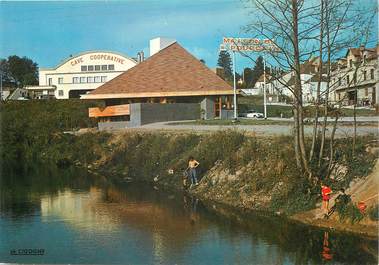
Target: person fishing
192	165
341	201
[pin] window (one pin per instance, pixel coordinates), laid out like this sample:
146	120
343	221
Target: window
364	75
366	92
97	79
103	79
104	67
339	81
60	80
351	63
111	67
90	67
84	68
60	93
83	80
50	81
75	80
90	79
347	79
372	73
97	67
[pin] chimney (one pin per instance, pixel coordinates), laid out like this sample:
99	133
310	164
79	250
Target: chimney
140	57
158	44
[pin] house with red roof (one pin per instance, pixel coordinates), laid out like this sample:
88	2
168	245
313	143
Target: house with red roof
169	85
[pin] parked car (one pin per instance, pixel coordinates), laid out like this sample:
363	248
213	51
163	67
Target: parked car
251	114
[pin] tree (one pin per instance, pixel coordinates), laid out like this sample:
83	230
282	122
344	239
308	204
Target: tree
19	72
257	70
225	62
301	29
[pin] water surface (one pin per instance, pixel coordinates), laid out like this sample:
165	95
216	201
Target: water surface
76	218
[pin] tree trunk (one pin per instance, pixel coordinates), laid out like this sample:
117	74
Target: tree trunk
298	89
355	125
328	68
331	160
296	137
315	132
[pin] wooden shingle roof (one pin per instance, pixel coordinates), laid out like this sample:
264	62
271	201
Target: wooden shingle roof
171	72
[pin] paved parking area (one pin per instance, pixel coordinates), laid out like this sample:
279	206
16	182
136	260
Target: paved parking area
263	130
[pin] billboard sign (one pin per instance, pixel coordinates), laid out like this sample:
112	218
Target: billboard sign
248	45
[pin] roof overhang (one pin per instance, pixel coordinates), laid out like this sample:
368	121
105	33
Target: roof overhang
158	94
40	87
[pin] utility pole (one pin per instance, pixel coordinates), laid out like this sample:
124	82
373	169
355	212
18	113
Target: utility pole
264	86
1	86
234	86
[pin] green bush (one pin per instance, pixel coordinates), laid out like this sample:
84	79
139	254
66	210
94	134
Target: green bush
29	127
349	211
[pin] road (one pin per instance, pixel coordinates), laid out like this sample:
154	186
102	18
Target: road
262	130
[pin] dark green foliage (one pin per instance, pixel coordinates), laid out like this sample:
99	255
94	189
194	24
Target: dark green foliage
29	128
349	211
19	72
257	71
225	62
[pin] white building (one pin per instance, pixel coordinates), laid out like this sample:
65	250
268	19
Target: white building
259	85
355	78
309	76
80	74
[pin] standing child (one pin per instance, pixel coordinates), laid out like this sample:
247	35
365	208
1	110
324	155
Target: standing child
325	193
192	165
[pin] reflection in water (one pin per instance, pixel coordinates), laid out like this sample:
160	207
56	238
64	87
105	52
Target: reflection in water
77	209
82	219
326	253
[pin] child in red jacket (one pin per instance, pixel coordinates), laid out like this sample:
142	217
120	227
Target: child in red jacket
325	193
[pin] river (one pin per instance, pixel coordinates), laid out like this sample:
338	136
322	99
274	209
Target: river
72	217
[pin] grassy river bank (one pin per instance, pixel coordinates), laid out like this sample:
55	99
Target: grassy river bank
236	169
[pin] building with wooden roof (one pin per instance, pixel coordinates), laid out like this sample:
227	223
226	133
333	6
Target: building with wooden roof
171	75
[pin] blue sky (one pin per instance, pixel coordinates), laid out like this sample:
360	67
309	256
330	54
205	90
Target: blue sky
48	32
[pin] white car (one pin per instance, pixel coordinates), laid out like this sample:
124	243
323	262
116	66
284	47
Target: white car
254	114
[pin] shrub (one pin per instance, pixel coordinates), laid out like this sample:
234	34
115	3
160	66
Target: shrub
349	211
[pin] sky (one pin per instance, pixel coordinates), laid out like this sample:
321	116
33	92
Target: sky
48	32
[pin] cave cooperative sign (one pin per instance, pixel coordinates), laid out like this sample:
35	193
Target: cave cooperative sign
248	44
105	57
